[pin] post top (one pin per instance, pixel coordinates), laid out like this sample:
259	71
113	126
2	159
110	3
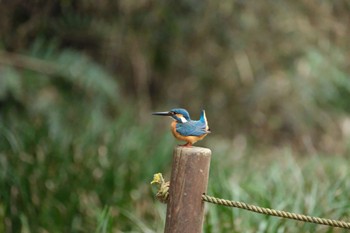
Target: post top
193	150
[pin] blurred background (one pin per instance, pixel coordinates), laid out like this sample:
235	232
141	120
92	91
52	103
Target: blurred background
79	80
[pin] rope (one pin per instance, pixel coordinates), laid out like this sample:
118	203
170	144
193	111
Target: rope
163	196
277	213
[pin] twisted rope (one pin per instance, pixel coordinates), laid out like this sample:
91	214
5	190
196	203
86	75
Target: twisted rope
277	213
163	196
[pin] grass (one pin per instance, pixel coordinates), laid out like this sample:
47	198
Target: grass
50	187
101	184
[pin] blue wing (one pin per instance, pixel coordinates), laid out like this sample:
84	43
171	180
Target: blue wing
191	128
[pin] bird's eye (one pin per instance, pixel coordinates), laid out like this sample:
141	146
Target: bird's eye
172	113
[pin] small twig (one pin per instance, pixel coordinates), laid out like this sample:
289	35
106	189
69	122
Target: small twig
30	63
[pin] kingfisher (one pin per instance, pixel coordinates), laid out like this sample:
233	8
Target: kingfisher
185	129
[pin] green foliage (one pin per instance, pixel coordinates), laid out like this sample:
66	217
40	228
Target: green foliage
78	80
69	147
270	69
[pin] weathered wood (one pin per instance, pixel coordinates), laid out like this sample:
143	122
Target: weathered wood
189	180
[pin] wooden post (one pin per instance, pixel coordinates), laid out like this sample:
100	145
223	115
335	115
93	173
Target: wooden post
189	180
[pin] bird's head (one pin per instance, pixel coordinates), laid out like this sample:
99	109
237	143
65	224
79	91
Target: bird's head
179	114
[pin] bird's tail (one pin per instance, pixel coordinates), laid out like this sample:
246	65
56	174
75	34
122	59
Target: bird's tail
203	119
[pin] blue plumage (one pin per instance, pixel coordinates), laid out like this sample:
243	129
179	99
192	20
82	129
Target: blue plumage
181	111
191	128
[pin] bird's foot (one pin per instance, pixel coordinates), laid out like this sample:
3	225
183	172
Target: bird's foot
188	144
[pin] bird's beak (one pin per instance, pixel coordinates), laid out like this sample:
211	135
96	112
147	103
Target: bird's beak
162	113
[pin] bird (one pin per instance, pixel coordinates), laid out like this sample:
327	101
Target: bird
185	129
